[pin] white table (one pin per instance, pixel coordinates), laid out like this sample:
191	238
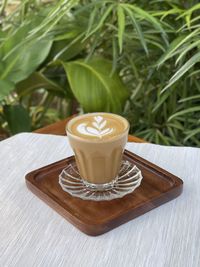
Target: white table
32	234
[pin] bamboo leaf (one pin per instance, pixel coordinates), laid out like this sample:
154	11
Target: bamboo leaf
186	50
148	17
121	26
195	72
188	65
176	124
191	134
55	14
101	22
179	41
188	20
183	112
176	43
163	138
190	11
145	15
138	29
175	10
161	100
92	20
114	55
194	97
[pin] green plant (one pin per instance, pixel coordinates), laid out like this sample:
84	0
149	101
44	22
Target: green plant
135	58
24	93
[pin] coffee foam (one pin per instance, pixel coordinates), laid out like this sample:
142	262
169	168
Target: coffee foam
98	126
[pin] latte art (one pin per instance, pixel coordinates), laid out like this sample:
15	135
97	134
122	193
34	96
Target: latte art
98	128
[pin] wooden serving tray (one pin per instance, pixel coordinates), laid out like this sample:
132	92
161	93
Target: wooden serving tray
94	218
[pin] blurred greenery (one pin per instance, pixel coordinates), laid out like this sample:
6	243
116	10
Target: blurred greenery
137	58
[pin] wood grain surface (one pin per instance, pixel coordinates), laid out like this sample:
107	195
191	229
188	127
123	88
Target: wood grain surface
95	218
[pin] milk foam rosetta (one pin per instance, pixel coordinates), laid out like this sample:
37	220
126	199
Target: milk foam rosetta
98	126
97	129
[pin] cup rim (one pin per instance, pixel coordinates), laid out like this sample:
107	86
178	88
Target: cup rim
95	140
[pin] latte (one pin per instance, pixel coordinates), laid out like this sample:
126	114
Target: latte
98	126
98	141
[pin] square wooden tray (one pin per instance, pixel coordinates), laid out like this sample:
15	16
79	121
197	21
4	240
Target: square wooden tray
94	218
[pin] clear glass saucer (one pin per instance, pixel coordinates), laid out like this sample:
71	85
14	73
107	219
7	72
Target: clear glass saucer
128	180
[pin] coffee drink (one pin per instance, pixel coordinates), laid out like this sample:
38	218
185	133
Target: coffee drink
98	141
98	127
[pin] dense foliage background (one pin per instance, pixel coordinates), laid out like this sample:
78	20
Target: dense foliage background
136	58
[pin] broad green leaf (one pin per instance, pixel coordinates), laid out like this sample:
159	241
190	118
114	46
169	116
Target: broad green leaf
121	26
3	35
18	118
36	81
28	58
183	112
8	67
18	58
12	42
17	38
6	87
93	86
188	65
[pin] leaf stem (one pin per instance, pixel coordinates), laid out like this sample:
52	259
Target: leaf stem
3	7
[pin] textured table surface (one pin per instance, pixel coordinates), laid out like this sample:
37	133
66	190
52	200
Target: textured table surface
32	234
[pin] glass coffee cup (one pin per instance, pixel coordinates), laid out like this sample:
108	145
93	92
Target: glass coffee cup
98	141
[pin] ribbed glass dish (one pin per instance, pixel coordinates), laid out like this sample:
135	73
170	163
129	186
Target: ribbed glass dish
128	180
